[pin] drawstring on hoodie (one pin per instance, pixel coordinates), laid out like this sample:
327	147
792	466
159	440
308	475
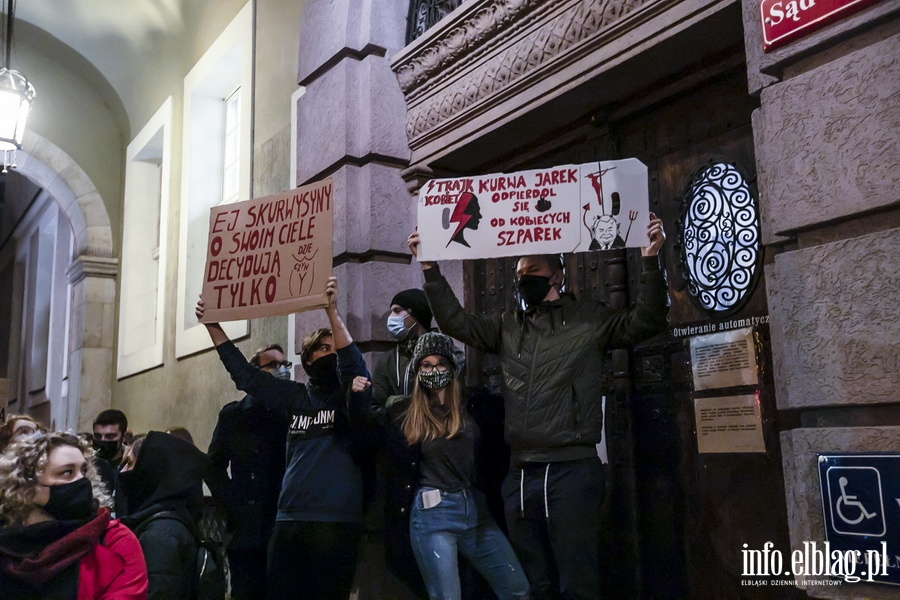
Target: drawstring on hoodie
546	494
522	491
406	374
546	504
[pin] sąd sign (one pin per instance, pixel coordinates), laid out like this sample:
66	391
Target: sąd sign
786	20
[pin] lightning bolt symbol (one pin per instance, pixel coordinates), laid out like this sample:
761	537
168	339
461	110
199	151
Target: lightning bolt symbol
459	215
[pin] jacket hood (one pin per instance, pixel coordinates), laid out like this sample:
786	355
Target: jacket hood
37	553
167	472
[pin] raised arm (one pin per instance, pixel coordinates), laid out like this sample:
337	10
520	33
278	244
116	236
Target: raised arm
275	394
478	331
215	331
339	331
648	315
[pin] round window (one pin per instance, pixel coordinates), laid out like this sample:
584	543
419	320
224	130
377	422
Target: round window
720	237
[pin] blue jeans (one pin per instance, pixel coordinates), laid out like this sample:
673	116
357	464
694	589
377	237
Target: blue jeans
461	522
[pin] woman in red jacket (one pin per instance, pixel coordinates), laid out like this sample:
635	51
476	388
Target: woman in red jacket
57	540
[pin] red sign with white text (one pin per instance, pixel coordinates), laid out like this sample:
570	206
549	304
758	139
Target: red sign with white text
786	20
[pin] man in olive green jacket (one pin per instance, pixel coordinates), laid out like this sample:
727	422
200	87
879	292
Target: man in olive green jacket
551	353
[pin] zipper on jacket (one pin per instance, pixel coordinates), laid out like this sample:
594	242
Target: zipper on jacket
531	375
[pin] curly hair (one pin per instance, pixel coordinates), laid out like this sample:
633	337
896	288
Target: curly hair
22	462
6	430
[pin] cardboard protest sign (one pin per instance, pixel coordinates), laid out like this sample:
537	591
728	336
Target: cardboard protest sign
571	208
269	256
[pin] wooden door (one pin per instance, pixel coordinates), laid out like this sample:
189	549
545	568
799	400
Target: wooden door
676	520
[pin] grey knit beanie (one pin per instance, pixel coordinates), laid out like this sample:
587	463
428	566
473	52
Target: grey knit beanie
433	343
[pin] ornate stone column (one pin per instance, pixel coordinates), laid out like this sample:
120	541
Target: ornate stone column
91	337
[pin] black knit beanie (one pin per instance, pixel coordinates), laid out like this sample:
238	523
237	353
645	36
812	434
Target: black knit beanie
416	303
432	343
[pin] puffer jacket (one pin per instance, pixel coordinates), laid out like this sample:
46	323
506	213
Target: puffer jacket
552	358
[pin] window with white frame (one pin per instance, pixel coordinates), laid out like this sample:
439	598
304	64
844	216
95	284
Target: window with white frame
232	156
216	152
142	295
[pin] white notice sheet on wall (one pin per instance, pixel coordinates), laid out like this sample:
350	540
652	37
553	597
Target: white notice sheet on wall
723	359
729	424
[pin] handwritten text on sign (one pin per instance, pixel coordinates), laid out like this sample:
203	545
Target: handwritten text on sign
269	256
570	208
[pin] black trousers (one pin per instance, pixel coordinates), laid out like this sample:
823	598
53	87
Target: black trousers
553	515
312	560
248	573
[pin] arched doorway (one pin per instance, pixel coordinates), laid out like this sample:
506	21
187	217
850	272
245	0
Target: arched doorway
57	280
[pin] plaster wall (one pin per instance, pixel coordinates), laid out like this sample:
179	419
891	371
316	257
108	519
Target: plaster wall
79	115
190	391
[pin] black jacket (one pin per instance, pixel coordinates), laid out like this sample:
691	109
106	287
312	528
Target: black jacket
250	438
165	477
552	357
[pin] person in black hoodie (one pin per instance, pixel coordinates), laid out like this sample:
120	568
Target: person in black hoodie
312	552
159	492
246	466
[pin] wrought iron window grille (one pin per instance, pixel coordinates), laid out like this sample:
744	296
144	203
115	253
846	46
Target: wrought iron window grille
719	239
423	14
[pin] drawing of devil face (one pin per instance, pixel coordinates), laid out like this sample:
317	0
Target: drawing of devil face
605	229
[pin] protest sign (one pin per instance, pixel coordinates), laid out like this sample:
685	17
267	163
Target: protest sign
269	256
570	208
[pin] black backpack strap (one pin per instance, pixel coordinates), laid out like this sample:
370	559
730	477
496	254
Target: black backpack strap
168	514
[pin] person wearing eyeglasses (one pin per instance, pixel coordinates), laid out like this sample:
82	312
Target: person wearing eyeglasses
248	443
312	548
435	443
16	428
552	349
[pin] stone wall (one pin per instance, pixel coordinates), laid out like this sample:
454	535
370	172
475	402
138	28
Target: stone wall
351	126
828	152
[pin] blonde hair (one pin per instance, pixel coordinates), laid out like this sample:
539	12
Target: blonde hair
424	422
6	430
22	462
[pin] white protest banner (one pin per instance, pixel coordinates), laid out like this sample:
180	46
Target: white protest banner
269	256
570	208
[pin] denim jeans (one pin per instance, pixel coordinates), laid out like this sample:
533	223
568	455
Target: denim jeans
461	522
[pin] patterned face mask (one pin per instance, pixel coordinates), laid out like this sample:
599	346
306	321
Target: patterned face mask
436	379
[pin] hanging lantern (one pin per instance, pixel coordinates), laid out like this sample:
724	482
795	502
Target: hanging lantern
16	95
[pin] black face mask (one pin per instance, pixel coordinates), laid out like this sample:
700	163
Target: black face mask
107	450
324	370
71	501
532	289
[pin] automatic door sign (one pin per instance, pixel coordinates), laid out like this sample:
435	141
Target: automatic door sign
861	507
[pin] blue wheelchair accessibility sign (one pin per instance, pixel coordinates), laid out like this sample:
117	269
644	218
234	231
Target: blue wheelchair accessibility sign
861	506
